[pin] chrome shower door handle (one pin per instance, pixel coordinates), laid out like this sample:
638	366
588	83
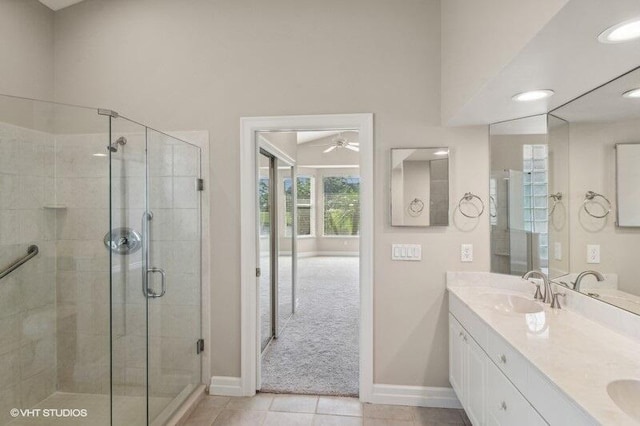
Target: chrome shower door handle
163	281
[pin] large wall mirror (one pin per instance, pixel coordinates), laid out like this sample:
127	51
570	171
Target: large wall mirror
527	184
420	187
604	191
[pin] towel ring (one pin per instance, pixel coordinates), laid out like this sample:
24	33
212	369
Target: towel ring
557	197
415	207
591	196
468	196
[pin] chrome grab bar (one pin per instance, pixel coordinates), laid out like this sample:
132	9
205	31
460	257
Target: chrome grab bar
32	251
147	216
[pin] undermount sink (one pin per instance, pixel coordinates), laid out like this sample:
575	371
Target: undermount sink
509	303
626	394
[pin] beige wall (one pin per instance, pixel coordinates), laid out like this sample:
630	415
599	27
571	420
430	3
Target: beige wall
26	46
479	38
592	165
206	65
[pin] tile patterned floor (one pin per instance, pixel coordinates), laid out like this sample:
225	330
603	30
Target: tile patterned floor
305	410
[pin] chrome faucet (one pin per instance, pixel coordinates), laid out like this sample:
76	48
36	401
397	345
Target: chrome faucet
581	275
546	297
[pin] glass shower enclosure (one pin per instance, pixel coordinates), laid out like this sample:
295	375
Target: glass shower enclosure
103	324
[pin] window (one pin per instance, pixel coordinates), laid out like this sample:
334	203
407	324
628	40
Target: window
341	205
304	207
535	181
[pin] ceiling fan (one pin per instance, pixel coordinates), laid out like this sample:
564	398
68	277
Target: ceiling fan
341	142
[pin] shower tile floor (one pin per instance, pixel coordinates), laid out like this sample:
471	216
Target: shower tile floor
127	410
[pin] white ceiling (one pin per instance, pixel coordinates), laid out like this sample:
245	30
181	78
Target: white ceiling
606	103
564	56
59	4
304	137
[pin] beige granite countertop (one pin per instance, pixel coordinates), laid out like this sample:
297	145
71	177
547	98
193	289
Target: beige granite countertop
577	354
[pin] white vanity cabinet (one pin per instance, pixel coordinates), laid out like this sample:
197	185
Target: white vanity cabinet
495	384
467	370
487	396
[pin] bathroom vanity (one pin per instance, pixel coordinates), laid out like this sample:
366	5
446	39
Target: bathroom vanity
516	361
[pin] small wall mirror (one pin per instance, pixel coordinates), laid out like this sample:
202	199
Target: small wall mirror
420	187
628	181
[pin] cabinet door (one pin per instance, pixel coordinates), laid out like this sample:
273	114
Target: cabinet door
505	404
475	380
456	357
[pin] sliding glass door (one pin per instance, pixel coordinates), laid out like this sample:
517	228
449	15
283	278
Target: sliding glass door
276	244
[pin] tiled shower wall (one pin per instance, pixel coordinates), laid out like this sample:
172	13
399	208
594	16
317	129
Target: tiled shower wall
82	219
28	295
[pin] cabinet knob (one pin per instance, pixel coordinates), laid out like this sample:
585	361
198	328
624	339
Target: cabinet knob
461	334
503	359
503	406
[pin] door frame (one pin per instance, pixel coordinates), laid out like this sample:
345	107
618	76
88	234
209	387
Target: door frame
249	127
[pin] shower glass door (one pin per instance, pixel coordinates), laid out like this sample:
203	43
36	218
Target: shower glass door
174	328
155	273
127	159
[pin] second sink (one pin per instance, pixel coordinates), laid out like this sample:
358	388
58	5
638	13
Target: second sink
509	303
626	394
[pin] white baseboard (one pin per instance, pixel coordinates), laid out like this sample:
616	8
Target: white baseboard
225	386
417	396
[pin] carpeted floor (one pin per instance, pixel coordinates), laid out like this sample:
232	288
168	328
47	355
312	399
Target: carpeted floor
317	353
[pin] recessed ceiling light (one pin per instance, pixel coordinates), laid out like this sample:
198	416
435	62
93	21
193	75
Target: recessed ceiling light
532	95
619	33
443	152
99	154
632	94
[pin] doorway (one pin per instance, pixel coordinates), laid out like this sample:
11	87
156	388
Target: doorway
309	226
252	340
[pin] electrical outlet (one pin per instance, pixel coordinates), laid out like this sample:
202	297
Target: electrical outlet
593	253
466	253
557	251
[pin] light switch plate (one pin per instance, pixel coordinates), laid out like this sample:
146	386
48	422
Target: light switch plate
466	253
557	251
410	252
593	253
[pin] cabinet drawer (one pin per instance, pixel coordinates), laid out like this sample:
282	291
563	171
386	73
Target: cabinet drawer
505	405
553	404
510	361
